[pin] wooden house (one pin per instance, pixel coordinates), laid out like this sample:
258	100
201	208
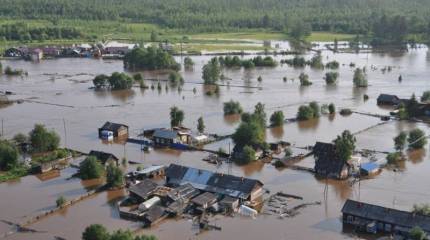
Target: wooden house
118	130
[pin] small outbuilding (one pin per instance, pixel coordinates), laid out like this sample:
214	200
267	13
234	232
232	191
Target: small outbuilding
154	215
229	204
204	200
118	130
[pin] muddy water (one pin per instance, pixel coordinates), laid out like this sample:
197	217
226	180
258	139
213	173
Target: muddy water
66	83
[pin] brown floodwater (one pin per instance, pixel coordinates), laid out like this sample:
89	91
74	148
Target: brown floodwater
60	89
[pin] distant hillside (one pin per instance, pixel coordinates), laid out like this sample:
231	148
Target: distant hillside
347	16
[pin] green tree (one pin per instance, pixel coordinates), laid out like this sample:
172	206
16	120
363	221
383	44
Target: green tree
91	168
119	81
248	155
400	141
277	119
417	233
425	97
331	77
8	155
43	140
232	107
137	77
150	58
211	71
304	79
305	113
200	125
145	237
175	78
95	232
188	63
60	201
315	109
176	116
114	176
345	145
299	30
417	139
154	36
100	81
122	235
331	108
260	114
360	78
249	133
316	61
20	138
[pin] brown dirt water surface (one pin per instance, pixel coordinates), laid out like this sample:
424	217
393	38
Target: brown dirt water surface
67	82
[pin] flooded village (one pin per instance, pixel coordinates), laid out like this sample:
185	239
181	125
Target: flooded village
183	180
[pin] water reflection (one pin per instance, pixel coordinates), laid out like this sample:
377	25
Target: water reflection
277	132
311	124
252	168
232	119
417	155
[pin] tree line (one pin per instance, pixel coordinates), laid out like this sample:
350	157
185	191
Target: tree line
346	16
24	32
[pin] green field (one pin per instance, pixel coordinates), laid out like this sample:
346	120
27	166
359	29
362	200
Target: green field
95	31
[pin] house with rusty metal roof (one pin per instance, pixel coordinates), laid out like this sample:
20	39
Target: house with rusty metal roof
223	184
373	219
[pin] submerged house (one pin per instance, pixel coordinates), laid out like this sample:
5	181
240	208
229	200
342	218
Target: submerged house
118	48
244	189
118	130
105	158
377	219
327	162
165	137
388	99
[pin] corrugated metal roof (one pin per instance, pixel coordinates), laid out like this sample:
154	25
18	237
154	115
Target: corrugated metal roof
370	166
204	180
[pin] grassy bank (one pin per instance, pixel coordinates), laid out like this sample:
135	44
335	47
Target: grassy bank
13	174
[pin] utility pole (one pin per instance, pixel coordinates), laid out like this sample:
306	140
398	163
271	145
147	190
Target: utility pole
65	133
2	133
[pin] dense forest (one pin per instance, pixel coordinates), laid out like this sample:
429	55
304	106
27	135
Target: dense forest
347	16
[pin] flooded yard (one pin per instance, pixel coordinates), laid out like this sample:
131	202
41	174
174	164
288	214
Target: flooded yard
60	90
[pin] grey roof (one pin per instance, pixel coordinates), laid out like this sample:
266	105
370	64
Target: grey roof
165	133
387	98
110	126
206	198
144	188
386	215
204	180
183	192
154	213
